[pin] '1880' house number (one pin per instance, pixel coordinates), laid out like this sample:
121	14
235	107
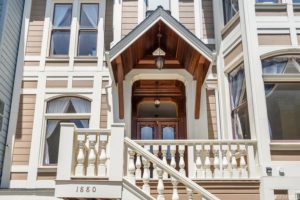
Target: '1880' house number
87	189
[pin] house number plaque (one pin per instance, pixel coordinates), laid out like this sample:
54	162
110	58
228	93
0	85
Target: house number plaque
86	189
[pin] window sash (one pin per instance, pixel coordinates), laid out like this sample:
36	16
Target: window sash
78	41
88	28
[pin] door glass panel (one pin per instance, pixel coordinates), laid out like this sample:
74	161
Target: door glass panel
168	134
147	133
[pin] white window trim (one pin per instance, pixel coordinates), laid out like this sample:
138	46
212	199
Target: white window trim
58	116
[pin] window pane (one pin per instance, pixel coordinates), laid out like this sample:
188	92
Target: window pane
230	7
69	105
60	42
89	16
267	1
153	4
87	43
147	133
62	15
296	1
52	138
283	105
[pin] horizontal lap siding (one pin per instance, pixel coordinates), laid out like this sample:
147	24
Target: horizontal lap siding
208	19
186	14
129	16
108	34
23	135
104	107
36	26
11	16
211	114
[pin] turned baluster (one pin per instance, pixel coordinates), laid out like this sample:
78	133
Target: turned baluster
181	149
175	195
155	152
102	155
131	166
138	165
235	172
243	165
164	149
208	172
200	174
189	193
160	185
226	172
217	171
91	168
146	176
79	169
173	151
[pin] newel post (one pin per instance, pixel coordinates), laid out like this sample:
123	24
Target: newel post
65	154
116	152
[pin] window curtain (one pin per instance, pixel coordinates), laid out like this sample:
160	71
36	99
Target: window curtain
89	16
62	15
81	105
59	105
273	66
237	84
51	126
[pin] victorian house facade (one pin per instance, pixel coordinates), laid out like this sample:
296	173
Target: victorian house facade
155	99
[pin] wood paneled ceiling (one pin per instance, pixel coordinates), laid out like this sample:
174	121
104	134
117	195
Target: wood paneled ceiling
179	55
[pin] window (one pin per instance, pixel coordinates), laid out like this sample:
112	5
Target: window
65	109
60	37
282	97
153	4
268	1
230	8
239	106
1	114
87	39
296	1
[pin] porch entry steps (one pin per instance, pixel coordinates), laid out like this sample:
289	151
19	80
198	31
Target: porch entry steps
161	168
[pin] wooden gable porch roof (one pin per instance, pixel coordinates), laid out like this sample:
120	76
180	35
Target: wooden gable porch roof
183	51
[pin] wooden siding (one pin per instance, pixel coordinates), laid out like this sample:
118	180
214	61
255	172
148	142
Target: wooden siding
237	50
18	176
274	39
129	16
46	176
29	84
21	149
226	31
298	37
108	34
11	22
56	83
104	107
186	14
36	26
281	195
211	114
208	19
285	155
82	83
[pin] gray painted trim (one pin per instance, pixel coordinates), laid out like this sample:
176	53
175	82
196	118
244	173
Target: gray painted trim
175	25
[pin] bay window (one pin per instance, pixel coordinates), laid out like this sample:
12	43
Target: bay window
61	28
282	91
239	105
66	109
87	39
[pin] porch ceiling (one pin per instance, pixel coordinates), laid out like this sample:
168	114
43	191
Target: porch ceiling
183	51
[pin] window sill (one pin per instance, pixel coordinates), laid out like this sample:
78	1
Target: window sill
283	78
86	59
285	145
270	6
58	59
50	168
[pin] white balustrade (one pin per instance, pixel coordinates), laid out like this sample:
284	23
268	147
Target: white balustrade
213	159
90	157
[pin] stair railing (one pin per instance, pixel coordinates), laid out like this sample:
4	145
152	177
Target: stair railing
136	152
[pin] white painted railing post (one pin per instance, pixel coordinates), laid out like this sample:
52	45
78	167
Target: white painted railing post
235	172
181	149
66	153
155	152
164	149
200	174
91	169
138	165
160	184
208	172
251	161
102	169
175	195
243	165
116	157
217	171
146	176
226	172
79	168
131	166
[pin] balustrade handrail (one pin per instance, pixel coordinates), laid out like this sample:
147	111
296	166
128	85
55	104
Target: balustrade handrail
193	142
88	130
173	172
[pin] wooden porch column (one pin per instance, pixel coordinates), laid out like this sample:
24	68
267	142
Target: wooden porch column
199	78
120	79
